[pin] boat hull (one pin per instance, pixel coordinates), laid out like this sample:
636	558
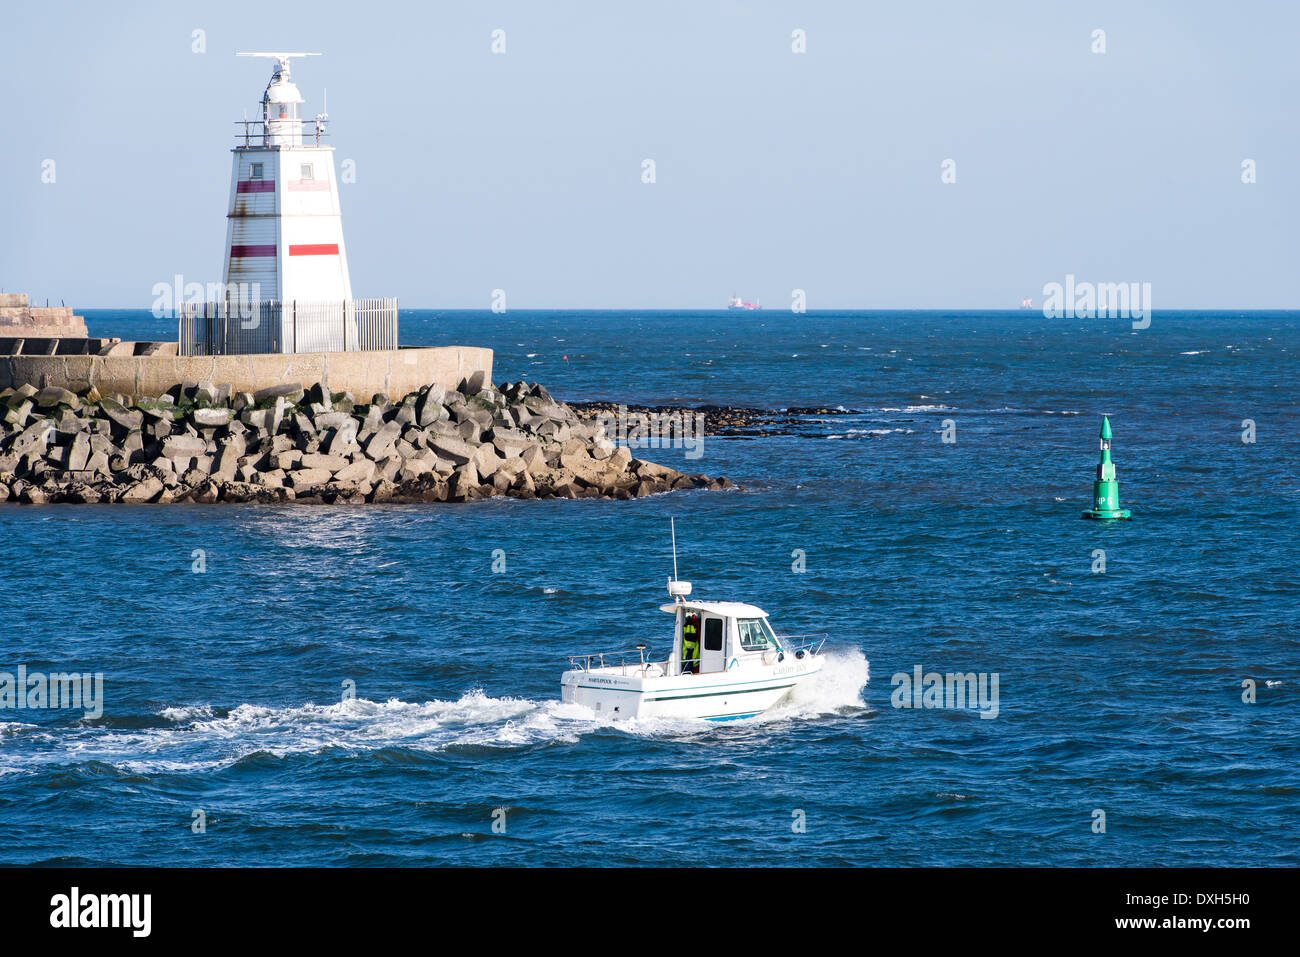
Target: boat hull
723	696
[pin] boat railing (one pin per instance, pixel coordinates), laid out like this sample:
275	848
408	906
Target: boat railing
811	643
634	659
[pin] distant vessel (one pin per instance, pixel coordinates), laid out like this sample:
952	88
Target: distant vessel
735	302
1026	303
725	663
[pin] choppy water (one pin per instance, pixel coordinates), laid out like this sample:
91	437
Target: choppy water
1118	691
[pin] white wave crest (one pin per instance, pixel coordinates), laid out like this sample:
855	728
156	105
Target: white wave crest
920	408
186	713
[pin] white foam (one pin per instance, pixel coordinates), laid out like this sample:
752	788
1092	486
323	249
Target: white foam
200	739
836	687
186	714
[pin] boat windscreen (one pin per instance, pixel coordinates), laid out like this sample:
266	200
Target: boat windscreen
756	635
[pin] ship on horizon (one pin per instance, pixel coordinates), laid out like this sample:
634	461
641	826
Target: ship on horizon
735	302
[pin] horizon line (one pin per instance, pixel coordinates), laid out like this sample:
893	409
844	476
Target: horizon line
773	311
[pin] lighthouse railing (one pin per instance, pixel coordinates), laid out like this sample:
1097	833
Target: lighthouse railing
259	133
271	326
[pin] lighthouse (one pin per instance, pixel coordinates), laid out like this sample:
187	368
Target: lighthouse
286	286
1105	490
284	225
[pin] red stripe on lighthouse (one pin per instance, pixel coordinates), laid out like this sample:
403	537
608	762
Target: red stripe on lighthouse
315	249
255	186
239	252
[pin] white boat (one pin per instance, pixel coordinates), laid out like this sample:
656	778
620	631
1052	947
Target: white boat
743	667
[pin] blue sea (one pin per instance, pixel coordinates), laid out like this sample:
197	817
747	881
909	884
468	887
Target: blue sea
228	635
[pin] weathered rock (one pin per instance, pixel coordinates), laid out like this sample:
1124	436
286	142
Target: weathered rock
485	460
331	463
82	495
334	420
183	446
17	416
285	461
380	444
53	395
290	391
306	478
461	484
510	441
343	440
144	491
619	459
211	417
206	493
583	466
35	436
223	469
429	407
273	479
356	473
33	495
451	449
649	470
78	453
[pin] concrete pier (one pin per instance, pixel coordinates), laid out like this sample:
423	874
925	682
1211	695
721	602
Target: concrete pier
144	370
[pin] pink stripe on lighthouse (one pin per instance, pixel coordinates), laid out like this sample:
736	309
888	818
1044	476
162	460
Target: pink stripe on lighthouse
315	249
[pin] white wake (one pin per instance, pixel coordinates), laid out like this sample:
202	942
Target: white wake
199	738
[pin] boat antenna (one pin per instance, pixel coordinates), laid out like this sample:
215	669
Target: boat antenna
677	589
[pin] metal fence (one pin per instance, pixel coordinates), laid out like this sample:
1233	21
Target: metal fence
270	326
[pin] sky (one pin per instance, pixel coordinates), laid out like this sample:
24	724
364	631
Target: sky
775	171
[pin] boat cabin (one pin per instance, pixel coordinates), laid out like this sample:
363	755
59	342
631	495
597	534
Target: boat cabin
724	635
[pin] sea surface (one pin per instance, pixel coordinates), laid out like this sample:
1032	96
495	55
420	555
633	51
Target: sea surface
229	635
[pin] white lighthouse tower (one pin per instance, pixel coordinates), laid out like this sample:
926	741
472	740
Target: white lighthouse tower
286	266
285	227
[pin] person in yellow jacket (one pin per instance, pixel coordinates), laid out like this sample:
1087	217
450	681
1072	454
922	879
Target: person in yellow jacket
691	644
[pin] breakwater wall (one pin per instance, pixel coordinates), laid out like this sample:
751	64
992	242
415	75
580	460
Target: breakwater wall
146	370
209	443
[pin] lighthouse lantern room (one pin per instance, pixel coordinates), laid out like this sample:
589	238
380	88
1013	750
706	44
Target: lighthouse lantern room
286	281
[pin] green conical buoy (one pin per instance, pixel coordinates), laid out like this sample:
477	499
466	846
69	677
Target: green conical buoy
1105	491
